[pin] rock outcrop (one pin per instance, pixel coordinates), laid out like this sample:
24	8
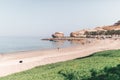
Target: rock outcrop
80	33
74	34
84	32
58	35
115	26
99	29
117	23
111	27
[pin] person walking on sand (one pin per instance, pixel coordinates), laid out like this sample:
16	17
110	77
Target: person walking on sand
58	48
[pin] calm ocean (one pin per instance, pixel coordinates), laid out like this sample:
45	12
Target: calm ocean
15	44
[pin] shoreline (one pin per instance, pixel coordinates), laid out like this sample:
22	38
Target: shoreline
9	63
39	49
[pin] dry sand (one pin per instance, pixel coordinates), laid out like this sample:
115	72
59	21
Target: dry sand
9	63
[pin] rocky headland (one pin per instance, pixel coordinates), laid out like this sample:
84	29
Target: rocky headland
110	31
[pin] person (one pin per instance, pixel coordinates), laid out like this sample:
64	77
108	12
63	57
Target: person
58	48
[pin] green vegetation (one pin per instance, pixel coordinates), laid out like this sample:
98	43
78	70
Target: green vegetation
108	73
109	33
99	66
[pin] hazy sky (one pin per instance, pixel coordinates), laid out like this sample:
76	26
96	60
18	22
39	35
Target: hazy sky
44	17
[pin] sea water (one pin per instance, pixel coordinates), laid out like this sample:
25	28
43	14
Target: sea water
16	44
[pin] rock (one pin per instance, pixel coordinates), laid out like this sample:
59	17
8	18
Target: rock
74	34
117	23
80	33
84	33
20	61
99	29
58	35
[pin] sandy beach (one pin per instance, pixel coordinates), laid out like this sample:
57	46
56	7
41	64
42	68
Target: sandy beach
9	63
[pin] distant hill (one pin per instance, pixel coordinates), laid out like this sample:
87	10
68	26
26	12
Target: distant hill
115	26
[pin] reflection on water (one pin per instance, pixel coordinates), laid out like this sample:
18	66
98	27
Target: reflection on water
77	42
63	43
59	43
81	42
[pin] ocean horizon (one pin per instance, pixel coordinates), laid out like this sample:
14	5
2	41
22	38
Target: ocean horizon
18	44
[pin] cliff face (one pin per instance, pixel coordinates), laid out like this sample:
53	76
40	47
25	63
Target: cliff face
112	27
115	26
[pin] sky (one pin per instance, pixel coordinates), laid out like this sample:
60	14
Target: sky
44	17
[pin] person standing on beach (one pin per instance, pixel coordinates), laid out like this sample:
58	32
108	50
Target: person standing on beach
58	48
